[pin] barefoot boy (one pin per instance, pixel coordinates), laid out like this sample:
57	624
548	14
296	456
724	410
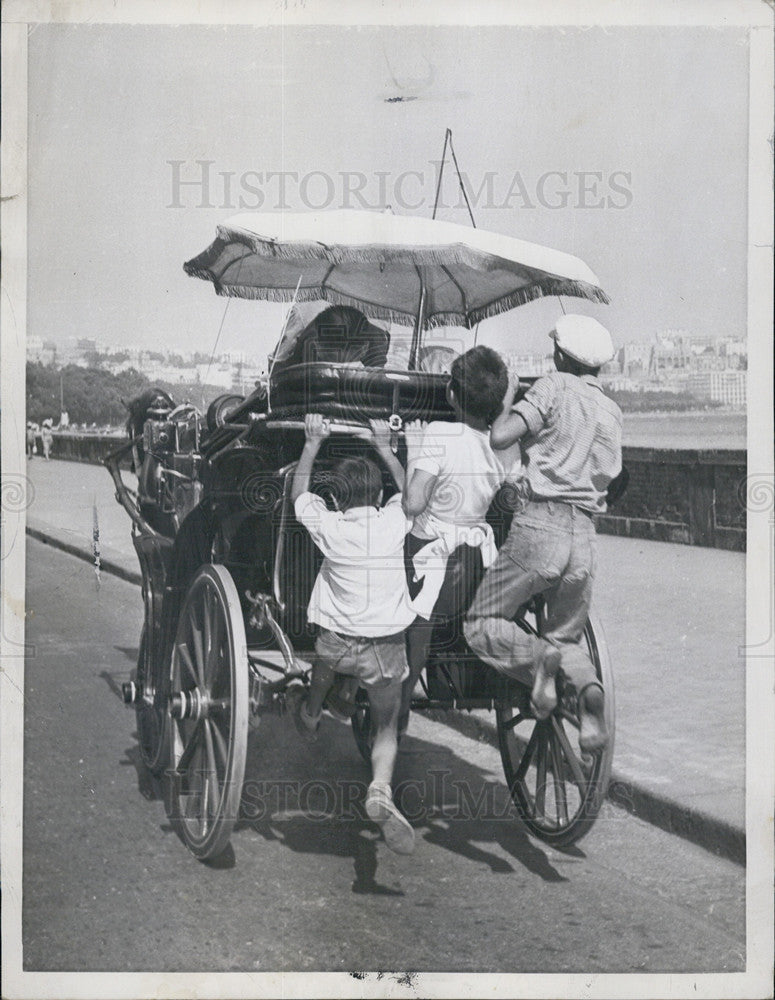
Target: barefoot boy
571	439
360	602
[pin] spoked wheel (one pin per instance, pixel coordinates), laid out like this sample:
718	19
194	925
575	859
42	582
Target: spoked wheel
557	789
151	709
361	723
208	725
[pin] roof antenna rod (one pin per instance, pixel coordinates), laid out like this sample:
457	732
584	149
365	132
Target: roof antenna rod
461	185
448	142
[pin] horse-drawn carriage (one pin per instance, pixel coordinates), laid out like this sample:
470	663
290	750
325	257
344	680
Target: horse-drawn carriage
227	570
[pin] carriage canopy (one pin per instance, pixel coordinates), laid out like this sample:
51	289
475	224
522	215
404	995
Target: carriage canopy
392	267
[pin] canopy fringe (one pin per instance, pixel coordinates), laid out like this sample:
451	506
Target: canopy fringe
516	298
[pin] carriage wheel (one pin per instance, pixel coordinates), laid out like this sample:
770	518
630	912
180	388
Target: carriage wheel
150	710
361	723
208	726
557	790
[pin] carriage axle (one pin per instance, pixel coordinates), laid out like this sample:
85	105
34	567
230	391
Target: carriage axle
131	693
196	704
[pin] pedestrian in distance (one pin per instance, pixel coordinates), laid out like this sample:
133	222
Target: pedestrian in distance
571	436
30	439
360	603
47	438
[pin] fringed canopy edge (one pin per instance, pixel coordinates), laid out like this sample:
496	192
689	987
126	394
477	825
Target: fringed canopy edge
521	296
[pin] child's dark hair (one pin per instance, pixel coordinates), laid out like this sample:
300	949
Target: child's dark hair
356	482
479	380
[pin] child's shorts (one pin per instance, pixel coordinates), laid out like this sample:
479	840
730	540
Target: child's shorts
376	662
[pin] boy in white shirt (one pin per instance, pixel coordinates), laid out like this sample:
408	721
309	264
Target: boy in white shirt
453	475
360	601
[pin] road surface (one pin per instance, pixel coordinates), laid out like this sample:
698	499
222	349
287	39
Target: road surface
309	885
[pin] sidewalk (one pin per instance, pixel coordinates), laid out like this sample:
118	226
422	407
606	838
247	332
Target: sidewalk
674	617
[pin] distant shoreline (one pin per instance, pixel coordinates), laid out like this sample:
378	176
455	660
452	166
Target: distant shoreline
715	412
702	429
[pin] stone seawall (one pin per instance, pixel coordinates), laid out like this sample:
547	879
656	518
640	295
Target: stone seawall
89	448
683	495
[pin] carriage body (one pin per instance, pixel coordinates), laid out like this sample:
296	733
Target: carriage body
228	572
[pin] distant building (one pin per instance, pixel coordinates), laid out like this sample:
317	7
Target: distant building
677	351
215	374
617	382
44	352
726	387
529	364
158	371
634	359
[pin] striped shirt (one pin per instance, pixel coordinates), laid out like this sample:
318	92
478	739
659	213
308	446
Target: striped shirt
573	447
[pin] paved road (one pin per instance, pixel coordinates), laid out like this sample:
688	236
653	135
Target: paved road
108	886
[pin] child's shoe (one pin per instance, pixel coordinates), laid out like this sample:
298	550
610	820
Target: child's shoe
593	734
543	697
382	810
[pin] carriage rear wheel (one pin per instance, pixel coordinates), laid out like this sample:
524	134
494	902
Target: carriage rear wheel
151	709
556	788
208	704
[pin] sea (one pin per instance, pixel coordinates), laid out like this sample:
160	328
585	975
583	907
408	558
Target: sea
690	429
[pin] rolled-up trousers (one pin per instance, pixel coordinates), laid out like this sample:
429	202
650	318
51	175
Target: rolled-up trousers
550	550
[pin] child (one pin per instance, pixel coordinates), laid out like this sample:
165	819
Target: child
361	604
571	436
453	475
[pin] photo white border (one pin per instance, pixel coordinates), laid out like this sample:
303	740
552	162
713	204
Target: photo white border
756	15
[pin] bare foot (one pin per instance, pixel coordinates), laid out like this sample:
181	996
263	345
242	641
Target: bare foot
593	736
543	697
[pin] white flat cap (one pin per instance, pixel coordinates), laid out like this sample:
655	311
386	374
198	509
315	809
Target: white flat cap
583	339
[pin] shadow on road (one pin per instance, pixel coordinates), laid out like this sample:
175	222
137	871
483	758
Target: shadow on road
311	800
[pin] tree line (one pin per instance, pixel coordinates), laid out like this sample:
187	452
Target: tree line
96	396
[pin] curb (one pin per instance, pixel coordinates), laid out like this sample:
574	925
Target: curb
106	565
698	827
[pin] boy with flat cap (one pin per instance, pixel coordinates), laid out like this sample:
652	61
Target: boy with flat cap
571	435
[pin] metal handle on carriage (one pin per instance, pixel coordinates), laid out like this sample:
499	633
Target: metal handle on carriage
358	430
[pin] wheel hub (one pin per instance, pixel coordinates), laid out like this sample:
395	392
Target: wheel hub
195	704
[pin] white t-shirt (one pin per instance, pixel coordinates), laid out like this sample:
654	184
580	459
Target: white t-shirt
361	587
468	474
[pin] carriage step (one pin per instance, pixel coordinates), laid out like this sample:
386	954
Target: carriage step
131	693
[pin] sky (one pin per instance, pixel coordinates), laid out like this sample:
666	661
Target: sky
624	146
